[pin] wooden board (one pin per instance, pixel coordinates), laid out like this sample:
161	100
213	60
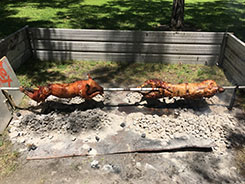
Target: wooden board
7	79
19	60
234	62
127	57
19	49
235	59
231	75
127	36
14	47
127	46
122	47
236	45
236	68
9	43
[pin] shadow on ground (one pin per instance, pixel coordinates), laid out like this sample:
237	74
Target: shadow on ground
219	15
38	71
151	107
128	14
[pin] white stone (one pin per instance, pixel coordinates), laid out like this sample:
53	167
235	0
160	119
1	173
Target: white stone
149	167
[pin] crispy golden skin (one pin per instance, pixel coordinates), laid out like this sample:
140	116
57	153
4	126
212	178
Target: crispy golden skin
85	88
207	88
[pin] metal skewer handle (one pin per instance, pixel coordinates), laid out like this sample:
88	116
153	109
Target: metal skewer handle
10	88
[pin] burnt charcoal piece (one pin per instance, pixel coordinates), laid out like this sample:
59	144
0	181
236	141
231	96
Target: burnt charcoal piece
123	125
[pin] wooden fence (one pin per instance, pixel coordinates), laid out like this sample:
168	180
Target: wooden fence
16	47
233	59
127	46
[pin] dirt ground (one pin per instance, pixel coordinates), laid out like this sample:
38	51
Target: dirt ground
201	138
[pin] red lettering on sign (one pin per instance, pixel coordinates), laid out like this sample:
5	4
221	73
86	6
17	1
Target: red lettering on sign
4	77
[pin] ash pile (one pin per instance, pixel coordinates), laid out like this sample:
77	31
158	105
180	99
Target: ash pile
211	122
74	122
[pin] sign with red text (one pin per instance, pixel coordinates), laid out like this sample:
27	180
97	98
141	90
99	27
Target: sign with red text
7	79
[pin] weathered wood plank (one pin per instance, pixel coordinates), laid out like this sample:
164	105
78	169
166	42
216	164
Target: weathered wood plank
24	56
235	60
9	43
17	50
127	47
236	45
127	57
232	74
234	63
238	71
222	50
233	79
128	36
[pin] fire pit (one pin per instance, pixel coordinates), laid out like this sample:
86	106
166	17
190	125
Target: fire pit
71	120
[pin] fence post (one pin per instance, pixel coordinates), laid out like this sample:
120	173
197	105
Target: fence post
233	98
29	39
33	45
222	50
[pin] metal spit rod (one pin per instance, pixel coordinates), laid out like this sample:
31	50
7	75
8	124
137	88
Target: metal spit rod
151	89
123	89
105	89
130	89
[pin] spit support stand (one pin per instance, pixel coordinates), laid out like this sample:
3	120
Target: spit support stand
233	98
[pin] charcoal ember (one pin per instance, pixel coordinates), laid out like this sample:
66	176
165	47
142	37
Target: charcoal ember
28	119
18	114
31	147
97	138
123	125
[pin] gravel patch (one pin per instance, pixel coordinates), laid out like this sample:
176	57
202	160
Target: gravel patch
188	122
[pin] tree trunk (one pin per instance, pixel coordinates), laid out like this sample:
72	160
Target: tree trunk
177	20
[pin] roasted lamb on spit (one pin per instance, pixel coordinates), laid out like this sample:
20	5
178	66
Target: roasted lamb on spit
207	88
84	88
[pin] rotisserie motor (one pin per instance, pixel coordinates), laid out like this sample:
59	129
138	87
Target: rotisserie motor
207	88
85	88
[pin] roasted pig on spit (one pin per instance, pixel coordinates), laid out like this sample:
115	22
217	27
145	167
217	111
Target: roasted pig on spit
84	88
207	88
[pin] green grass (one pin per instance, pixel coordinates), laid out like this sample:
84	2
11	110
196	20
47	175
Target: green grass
205	15
240	160
34	73
8	157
